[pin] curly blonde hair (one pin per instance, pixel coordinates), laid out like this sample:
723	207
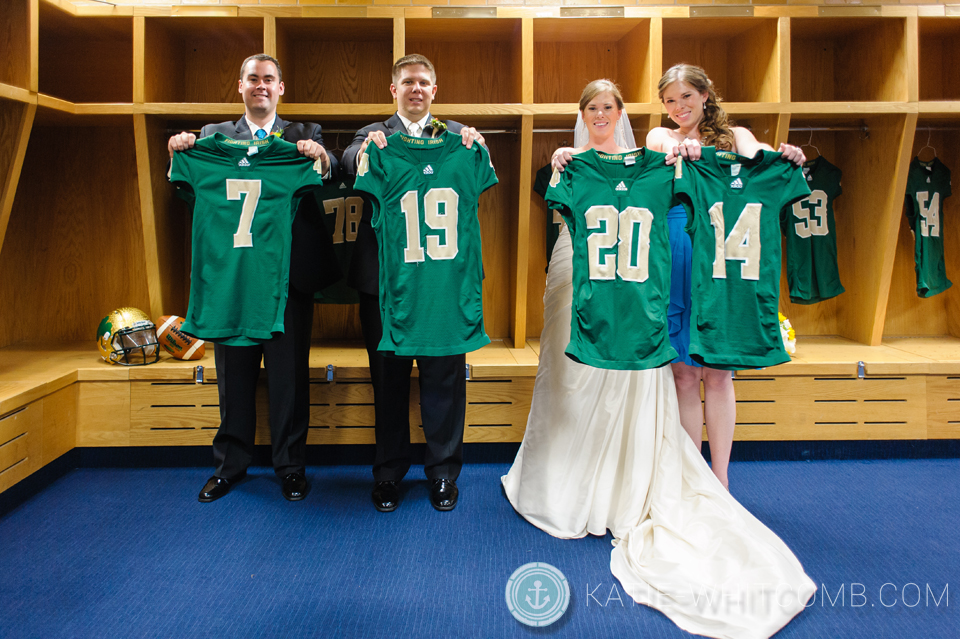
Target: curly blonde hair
715	128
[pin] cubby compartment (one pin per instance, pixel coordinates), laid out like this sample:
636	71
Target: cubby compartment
939	59
478	61
849	60
15	43
909	315
74	246
567	54
197	59
335	60
85	59
867	150
741	55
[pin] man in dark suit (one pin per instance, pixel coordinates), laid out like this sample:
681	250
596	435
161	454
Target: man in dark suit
443	391
287	358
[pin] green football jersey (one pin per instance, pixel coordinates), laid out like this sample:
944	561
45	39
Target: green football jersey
733	217
616	207
245	195
554	219
341	207
811	236
424	195
928	185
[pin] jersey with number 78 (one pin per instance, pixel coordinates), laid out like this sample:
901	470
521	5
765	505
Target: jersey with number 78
245	195
733	217
425	195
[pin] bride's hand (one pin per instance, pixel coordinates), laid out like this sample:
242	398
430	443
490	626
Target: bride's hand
561	158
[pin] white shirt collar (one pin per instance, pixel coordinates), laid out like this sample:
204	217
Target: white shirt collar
406	123
254	128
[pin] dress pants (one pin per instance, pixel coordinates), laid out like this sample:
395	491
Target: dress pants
287	361
443	403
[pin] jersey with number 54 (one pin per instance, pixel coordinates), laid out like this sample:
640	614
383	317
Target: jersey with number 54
928	185
616	207
733	217
245	195
425	194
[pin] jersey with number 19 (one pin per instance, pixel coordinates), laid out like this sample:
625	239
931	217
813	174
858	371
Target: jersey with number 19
733	217
928	185
616	207
245	195
425	194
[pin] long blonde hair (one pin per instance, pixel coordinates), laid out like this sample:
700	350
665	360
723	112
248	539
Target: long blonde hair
715	127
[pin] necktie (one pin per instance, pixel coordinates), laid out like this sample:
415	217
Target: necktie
260	134
414	129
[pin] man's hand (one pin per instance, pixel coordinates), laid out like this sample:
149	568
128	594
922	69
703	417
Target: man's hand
377	137
471	135
315	151
181	142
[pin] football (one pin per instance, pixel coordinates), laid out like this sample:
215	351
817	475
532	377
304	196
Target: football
175	341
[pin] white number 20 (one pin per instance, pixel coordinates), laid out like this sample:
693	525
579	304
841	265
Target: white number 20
440	213
629	231
742	244
243	238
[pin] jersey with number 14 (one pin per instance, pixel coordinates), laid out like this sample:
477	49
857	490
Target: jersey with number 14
245	195
616	207
733	217
425	195
928	185
811	235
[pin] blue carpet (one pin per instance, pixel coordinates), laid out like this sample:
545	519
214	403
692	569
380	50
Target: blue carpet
131	553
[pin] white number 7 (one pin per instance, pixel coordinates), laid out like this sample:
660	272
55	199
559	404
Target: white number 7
243	238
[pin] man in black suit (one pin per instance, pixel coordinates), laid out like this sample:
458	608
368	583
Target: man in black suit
443	388
287	358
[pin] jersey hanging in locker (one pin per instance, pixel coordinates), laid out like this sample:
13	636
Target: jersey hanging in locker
245	195
811	233
616	207
928	185
733	217
341	207
424	194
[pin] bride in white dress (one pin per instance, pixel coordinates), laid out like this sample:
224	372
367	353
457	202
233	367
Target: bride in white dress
604	449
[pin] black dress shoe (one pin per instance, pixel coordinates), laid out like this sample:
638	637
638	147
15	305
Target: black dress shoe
386	496
216	487
295	487
443	494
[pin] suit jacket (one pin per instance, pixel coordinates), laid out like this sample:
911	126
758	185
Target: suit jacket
313	265
365	264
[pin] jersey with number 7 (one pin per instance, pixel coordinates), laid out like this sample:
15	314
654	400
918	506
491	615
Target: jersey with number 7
244	203
424	194
733	217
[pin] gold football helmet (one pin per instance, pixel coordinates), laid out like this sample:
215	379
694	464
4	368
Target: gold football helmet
127	336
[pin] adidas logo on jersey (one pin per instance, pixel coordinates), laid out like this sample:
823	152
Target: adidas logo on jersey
621	187
736	184
342	185
428	170
243	162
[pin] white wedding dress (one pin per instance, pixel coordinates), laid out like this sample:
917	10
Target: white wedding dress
604	449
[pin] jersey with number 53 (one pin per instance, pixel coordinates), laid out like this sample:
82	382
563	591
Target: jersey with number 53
615	206
811	236
425	193
244	203
928	185
733	217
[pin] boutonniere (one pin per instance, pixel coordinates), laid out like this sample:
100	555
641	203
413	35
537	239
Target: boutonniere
278	134
438	127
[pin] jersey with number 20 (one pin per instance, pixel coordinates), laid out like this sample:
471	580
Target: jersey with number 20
245	195
733	217
616	207
425	193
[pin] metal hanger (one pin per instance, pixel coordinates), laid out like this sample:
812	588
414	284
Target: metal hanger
928	145
811	144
